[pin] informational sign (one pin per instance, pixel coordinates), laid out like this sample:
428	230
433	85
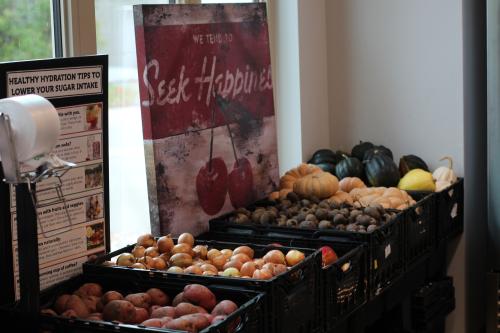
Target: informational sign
75	228
207	110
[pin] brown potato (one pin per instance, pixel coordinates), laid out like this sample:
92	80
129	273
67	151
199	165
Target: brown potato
200	295
166	311
89	289
181	324
60	304
152	252
153	322
145	240
179	298
187	308
225	307
181	260
76	304
140	300
159	263
199	320
158	297
138	251
111	296
244	249
119	310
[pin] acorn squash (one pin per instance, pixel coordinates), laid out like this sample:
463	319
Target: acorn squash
349	167
381	170
410	162
360	149
375	151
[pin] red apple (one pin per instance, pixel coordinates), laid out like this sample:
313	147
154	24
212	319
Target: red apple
211	186
240	184
328	255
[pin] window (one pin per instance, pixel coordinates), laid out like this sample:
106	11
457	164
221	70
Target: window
128	186
25	29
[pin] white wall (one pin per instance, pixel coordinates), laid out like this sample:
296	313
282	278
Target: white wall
396	78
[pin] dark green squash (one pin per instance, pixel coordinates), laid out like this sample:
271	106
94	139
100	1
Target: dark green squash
410	162
349	167
325	155
377	150
327	167
381	170
360	149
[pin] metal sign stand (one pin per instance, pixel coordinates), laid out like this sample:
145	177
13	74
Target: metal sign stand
27	217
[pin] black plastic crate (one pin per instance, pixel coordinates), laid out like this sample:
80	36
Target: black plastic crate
292	296
250	314
450	210
385	245
420	228
343	285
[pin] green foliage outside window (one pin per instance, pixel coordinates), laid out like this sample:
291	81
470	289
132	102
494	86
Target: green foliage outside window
25	29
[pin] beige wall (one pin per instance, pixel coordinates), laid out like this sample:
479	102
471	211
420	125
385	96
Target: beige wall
396	78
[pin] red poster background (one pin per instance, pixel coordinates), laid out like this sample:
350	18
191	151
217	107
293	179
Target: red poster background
195	61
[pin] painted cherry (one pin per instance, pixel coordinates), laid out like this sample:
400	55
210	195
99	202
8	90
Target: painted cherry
211	186
240	185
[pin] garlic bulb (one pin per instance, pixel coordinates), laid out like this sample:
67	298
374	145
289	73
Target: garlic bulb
445	174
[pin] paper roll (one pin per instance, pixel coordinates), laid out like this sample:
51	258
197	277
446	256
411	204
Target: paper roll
35	126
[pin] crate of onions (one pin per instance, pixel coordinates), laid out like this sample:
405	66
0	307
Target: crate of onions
289	276
104	303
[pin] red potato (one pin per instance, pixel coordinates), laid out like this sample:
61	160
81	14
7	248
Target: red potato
97	316
60	304
141	315
198	319
218	318
225	307
111	296
119	310
153	322
48	312
158	297
208	316
153	307
69	314
187	308
181	324
76	304
165	320
140	300
93	303
166	311
89	289
178	299
200	295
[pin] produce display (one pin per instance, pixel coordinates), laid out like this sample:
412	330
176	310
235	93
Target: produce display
294	212
376	167
186	257
192	310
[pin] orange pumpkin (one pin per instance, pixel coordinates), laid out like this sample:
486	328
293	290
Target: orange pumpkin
321	185
349	183
340	198
281	194
294	174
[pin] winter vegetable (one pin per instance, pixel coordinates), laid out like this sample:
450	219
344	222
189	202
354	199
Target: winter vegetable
445	173
289	178
382	171
360	149
325	155
349	167
321	185
340	198
348	183
410	162
377	150
417	180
